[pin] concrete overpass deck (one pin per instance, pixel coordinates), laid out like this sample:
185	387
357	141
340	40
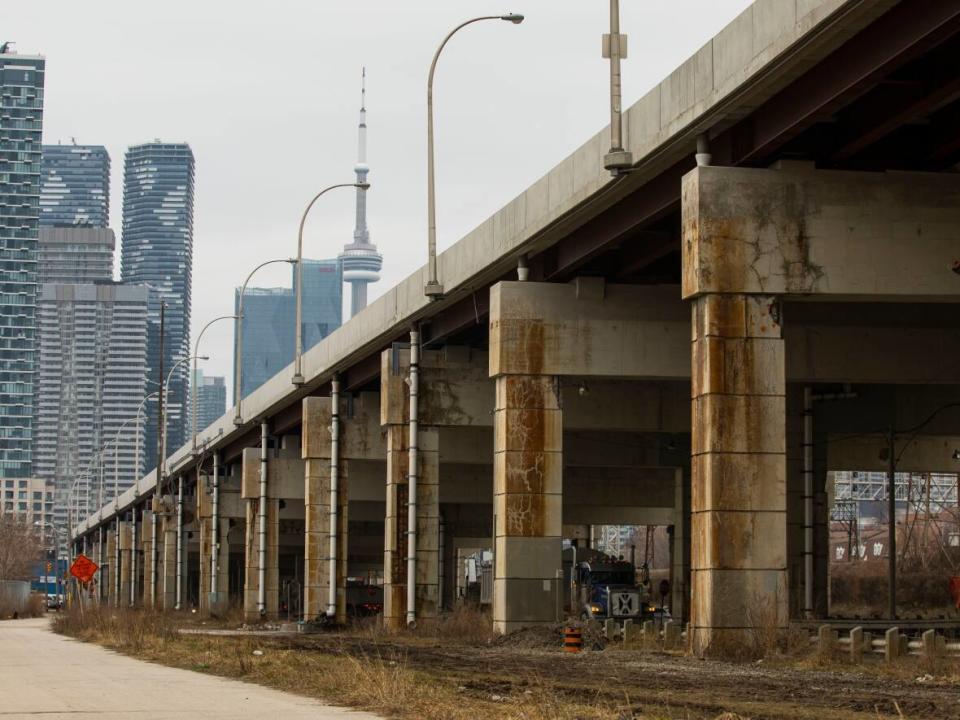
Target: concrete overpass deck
831	188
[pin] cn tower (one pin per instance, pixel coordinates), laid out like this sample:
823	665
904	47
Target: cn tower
360	259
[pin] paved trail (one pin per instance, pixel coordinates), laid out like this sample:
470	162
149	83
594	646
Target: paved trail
48	676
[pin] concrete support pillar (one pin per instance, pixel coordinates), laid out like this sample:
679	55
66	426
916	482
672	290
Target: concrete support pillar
207	545
738	470
113	591
147	557
251	582
317	558
528	494
679	551
223	566
396	526
168	560
359	438
126	564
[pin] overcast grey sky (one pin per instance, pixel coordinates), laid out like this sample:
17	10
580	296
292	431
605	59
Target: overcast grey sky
267	96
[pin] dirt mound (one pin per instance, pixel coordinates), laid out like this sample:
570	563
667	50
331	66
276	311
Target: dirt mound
538	637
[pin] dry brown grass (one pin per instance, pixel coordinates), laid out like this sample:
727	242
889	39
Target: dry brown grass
382	682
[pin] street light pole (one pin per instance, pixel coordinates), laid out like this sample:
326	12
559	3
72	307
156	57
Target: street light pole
297	378
163	413
617	160
434	288
136	456
238	340
193	380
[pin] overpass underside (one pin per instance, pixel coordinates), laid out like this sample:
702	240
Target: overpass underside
589	403
698	353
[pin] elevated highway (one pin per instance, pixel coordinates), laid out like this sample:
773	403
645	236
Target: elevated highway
687	345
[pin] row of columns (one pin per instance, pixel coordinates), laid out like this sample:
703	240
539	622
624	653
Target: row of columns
751	240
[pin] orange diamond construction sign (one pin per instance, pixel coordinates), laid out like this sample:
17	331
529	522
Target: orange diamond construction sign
83	568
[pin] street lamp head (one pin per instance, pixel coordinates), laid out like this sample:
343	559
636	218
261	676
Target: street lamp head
515	18
203	357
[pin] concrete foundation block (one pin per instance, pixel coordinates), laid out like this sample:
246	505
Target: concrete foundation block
826	642
933	646
892	649
856	645
671	634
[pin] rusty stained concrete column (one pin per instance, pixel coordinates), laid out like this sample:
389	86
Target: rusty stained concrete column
204	525
126	555
146	557
739	574
454	391
251	580
167	535
528	498
396	527
111	554
250	492
316	551
360	438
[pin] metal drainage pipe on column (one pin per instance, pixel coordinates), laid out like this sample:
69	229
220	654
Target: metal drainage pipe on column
116	563
133	557
215	529
808	400
154	556
262	525
334	492
808	503
412	480
101	589
179	582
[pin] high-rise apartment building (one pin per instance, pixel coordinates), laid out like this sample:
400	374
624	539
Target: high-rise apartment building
157	249
75	186
91	382
211	398
75	255
21	120
269	315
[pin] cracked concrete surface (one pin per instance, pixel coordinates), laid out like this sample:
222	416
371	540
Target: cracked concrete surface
48	675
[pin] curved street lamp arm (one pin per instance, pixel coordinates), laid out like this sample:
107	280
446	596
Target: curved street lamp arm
434	289
298	291
193	380
238	333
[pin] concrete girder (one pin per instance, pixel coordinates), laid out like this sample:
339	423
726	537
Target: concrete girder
798	231
915	453
454	391
629	331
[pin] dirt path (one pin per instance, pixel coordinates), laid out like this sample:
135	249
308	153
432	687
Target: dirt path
51	676
659	683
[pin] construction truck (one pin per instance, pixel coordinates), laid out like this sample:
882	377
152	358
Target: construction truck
606	587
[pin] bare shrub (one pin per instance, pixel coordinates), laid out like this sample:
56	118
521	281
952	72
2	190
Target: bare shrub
124	629
21	547
763	620
467	624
